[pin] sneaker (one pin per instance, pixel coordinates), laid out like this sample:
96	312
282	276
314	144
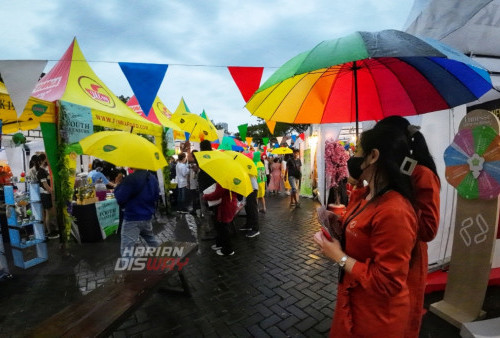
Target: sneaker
220	253
292	205
252	234
245	228
215	247
53	235
297	205
262	211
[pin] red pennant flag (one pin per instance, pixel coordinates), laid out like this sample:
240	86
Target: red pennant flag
302	136
247	79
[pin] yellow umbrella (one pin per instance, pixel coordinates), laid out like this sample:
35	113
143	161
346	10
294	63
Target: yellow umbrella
122	149
225	171
198	127
281	151
243	160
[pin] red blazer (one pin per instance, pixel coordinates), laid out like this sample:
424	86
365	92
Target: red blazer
373	300
426	186
227	208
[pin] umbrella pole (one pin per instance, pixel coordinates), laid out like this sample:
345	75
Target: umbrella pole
355	70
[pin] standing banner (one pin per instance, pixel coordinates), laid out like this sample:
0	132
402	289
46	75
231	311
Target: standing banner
108	215
472	167
76	122
306	181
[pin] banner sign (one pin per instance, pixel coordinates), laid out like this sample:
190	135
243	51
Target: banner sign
76	122
108	215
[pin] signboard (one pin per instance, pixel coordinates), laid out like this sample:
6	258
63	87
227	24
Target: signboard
108	215
476	222
76	122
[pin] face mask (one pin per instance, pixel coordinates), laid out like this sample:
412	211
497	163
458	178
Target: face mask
354	167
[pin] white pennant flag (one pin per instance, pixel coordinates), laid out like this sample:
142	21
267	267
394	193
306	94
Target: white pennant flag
289	142
20	78
220	135
279	138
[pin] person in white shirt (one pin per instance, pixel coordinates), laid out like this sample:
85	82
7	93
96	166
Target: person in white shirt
182	175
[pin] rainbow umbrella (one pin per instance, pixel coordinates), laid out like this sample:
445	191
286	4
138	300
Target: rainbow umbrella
368	76
473	163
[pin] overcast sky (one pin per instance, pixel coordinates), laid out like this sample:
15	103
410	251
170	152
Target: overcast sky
197	38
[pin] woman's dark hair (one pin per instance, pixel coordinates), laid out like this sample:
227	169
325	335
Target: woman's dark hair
40	159
393	148
181	157
205	145
194	157
33	160
96	164
275	160
416	140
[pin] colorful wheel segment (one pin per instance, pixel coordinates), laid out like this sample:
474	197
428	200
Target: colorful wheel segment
473	163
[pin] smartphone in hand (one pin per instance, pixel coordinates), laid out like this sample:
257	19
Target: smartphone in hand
330	223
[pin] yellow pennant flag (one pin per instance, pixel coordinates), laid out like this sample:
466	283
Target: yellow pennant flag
271	125
249	140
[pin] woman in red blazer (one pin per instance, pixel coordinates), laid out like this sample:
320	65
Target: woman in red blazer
380	231
427	186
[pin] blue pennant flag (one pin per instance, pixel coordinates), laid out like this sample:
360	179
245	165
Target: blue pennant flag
145	80
188	135
294	137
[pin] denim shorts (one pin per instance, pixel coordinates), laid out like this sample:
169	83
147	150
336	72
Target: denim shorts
292	180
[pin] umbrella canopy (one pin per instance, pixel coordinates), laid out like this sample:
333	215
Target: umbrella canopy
368	76
244	161
229	143
281	151
225	171
122	149
198	128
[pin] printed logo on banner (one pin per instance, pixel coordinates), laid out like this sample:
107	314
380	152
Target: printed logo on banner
39	109
161	107
96	92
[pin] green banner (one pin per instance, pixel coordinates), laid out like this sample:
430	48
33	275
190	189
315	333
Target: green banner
108	215
306	182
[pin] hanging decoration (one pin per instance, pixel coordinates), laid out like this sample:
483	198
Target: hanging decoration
247	79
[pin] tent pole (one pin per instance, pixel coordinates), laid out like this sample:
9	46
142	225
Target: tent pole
355	70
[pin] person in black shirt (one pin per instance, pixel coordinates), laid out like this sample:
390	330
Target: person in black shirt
43	178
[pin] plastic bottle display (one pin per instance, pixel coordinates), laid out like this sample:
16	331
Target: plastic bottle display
100	191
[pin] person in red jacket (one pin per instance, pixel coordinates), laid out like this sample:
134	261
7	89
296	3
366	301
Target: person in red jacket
379	233
427	186
225	215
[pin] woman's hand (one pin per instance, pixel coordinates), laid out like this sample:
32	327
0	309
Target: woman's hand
331	249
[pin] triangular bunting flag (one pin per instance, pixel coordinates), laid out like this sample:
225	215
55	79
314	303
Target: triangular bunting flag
302	136
271	125
220	134
249	140
247	79
182	108
279	138
289	142
265	140
187	135
20	78
145	80
204	115
243	130
294	138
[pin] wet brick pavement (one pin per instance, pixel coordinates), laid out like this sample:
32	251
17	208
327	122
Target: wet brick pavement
276	285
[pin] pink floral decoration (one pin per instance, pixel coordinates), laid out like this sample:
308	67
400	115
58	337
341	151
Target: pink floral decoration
336	163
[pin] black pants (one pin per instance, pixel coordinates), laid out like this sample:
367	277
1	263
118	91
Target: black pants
252	211
223	238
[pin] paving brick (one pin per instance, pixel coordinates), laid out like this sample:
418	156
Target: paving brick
306	324
276	332
270	321
288	323
256	331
